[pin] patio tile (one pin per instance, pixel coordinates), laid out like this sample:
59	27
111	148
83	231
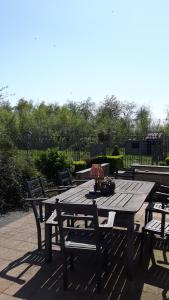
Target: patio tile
9	254
13	289
8	297
4	284
24	274
149	296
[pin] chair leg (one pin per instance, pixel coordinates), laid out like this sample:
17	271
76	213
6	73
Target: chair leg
71	261
151	242
65	275
72	223
164	252
86	224
39	236
48	243
98	272
56	234
142	246
106	260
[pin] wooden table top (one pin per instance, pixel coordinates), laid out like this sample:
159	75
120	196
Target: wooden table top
128	197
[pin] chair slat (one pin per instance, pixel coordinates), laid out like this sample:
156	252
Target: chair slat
80	246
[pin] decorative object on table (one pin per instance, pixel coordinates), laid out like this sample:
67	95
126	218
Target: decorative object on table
97	173
107	186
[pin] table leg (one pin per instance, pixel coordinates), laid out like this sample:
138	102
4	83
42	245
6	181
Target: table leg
48	243
130	246
48	235
47	211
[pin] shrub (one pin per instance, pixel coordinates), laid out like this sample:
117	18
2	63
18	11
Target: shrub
13	174
50	162
79	165
167	161
116	162
116	151
162	163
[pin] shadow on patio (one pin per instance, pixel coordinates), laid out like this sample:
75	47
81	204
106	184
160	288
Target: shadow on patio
33	279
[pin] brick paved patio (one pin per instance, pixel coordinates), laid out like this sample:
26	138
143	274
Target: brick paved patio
24	274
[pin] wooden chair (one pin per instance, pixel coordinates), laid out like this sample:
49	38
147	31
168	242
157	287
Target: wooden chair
153	226
79	239
160	201
65	180
36	195
125	173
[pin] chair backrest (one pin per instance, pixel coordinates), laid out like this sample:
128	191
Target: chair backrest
77	212
125	173
35	188
64	178
164	225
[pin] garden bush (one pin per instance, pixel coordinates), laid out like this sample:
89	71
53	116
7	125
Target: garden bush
50	162
167	161
116	162
79	165
116	151
13	174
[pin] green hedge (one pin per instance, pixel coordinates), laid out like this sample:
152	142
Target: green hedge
167	161
116	162
79	165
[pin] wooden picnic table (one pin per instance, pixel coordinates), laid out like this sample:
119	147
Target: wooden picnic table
126	201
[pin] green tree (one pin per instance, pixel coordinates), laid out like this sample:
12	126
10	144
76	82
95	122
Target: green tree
143	120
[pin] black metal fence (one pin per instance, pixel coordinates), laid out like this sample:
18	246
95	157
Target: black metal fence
150	149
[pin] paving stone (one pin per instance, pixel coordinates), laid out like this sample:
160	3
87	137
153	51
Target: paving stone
8	297
4	284
25	276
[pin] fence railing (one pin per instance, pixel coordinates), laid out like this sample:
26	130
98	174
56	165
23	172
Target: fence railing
140	150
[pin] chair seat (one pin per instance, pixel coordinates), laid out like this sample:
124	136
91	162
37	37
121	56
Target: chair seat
155	226
153	206
85	239
80	246
125	174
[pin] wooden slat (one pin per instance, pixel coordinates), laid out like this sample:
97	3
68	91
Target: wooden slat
116	202
78	229
136	202
129	195
155	226
80	246
126	200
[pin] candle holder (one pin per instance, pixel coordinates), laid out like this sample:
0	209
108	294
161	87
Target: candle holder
97	174
107	186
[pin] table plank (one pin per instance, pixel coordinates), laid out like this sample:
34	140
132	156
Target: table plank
129	195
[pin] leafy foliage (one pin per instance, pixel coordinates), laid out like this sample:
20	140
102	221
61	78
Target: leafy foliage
50	162
167	161
29	126
116	151
79	165
13	173
43	126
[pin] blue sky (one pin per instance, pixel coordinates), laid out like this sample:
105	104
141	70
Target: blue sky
57	50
